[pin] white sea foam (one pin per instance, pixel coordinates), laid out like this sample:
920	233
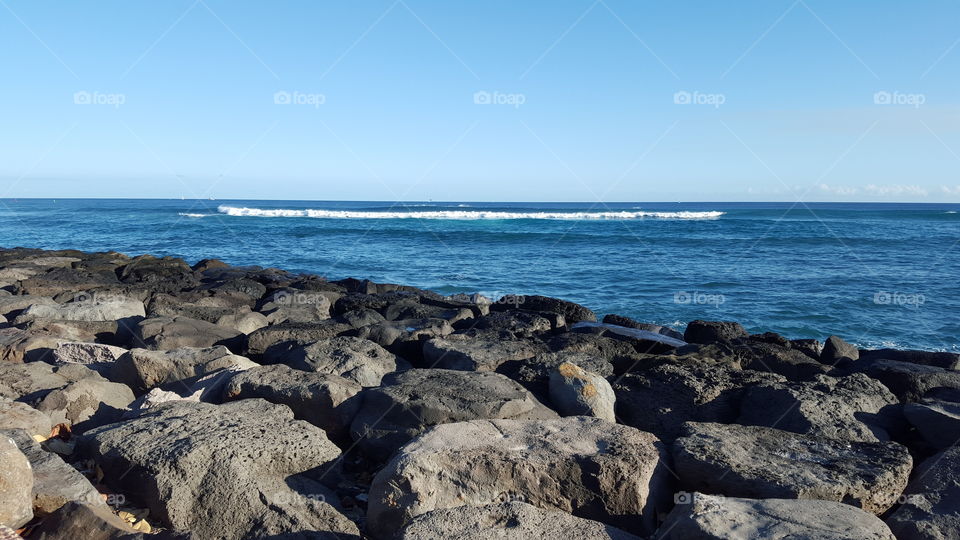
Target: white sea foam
187	214
457	214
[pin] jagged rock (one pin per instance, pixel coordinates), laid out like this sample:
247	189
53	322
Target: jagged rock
142	369
55	483
296	306
31	382
405	310
165	333
767	463
854	408
938	421
910	382
571	312
112	310
409	402
931	502
238	470
168	273
507	521
11	306
303	333
785	361
710	331
467	353
16	485
809	347
88	354
28	345
16	415
90	522
837	352
405	338
706	517
359	360
542	462
65	280
943	360
662	398
323	400
576	392
517	323
87	403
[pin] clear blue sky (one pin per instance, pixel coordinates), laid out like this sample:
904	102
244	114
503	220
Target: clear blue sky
183	91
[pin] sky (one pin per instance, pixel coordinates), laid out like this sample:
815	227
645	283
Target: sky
403	100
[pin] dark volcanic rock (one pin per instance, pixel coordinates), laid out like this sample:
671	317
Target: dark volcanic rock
785	361
766	463
620	320
588	467
909	381
571	312
534	373
931	508
710	331
926	358
166	333
938	421
142	369
303	333
410	402
467	353
238	470
359	360
837	352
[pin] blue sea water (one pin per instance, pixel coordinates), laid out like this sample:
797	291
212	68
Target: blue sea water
875	274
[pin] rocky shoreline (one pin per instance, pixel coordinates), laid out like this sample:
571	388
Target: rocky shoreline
143	397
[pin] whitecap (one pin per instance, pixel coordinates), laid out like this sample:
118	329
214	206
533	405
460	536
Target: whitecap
459	214
189	215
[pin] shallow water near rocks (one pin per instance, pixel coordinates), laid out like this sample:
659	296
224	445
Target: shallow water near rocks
879	275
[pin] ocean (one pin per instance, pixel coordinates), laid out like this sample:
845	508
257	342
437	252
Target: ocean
878	275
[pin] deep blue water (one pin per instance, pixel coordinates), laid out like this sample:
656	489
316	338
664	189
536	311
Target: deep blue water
876	274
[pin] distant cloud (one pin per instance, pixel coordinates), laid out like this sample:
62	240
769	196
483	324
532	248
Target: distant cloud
896	189
950	190
839	190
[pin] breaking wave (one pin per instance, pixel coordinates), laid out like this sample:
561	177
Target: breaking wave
458	214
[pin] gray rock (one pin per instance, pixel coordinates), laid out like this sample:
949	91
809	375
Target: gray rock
96	310
576	392
245	322
766	463
89	522
585	466
29	345
642	340
16	415
87	403
142	369
165	333
359	360
710	331
410	402
943	360
854	408
572	312
16	485
87	354
323	400
809	347
507	521
662	398
783	360
303	333
296	306
405	337
55	482
931	507
938	421
517	323
238	470
31	382
534	373
909	381
467	353
11	306
709	517
836	351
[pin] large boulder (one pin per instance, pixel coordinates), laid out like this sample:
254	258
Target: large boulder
577	392
94	310
238	470
359	360
55	482
295	305
937	420
468	353
767	463
662	398
570	311
166	333
588	467
515	323
16	485
16	415
911	382
409	402
167	273
780	359
710	331
945	360
143	369
91	522
708	517
931	502
837	352
324	400
31	382
88	354
406	337
534	373
11	306
512	520
854	408
87	403
263	339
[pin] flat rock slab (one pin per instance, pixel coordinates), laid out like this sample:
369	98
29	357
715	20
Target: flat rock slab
83	311
467	353
222	471
143	369
708	517
938	421
507	521
767	463
931	507
166	333
410	402
359	360
585	466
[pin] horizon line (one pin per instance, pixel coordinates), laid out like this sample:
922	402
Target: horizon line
799	203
